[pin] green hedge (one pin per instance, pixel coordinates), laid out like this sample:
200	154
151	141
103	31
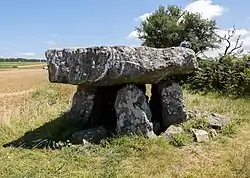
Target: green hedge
227	76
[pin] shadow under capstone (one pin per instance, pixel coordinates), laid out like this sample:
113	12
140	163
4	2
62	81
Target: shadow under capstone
103	112
53	134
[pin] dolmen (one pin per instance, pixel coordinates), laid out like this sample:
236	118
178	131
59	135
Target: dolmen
111	87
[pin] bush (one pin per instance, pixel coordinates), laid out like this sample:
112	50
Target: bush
228	76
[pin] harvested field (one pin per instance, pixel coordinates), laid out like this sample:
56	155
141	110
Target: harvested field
8	65
20	80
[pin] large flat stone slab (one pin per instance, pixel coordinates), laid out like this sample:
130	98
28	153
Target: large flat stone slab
113	65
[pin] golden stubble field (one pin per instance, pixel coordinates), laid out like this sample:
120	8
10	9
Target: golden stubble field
20	80
15	85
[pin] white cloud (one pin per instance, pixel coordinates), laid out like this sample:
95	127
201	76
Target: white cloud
134	45
74	47
28	54
133	35
245	37
143	17
206	8
52	43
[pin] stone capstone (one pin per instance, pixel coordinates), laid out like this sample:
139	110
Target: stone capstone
114	65
133	112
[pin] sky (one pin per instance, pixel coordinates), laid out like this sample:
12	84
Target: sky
29	27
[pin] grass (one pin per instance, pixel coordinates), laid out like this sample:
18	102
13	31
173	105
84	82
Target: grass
4	65
227	156
181	139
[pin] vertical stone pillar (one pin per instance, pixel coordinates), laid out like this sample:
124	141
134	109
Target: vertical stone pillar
133	112
82	103
167	105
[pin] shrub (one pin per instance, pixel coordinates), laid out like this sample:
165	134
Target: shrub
228	76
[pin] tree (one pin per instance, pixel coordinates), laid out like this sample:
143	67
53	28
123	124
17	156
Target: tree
236	48
169	26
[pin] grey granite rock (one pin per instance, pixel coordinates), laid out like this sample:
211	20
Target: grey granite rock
173	131
213	133
201	135
151	135
212	119
82	104
170	102
93	135
133	113
195	114
217	120
110	65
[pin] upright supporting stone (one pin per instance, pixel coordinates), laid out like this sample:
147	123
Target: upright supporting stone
133	112
167	105
82	104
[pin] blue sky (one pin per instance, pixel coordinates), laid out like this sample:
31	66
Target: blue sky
30	27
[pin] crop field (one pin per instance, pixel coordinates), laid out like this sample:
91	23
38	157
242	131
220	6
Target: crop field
29	103
6	65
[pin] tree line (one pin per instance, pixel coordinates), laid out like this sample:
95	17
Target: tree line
21	60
